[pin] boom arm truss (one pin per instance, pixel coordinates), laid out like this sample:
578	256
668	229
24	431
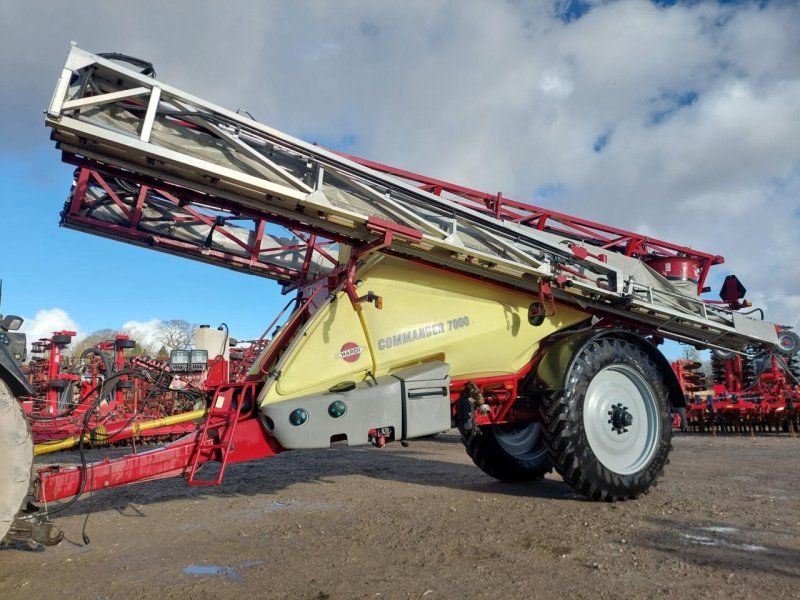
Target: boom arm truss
161	151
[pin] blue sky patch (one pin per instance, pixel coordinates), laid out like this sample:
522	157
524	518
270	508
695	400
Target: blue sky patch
667	3
547	191
601	142
572	10
672	102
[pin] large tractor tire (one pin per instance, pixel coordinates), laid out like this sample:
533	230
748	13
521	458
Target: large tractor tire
514	452
608	432
16	458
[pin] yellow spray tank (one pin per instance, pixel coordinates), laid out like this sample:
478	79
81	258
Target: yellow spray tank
466	328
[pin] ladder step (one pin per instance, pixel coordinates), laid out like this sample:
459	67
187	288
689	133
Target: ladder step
221	440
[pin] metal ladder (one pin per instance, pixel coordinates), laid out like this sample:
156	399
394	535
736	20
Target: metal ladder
222	418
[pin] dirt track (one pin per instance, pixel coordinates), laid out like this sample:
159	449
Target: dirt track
423	522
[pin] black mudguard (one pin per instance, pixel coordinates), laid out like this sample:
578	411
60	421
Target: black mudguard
560	351
12	375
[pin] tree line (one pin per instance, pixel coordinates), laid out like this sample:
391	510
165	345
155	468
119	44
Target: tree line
174	334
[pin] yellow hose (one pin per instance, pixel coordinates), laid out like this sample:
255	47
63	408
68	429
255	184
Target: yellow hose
99	435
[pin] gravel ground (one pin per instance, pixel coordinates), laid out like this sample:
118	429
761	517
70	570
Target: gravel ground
423	522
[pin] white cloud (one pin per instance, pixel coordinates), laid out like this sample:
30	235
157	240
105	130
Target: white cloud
147	333
49	320
46	322
556	83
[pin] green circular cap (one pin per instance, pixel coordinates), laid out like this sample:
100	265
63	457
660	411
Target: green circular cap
298	416
337	408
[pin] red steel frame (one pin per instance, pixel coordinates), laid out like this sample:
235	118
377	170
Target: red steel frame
53	371
543	219
249	442
602	236
193	204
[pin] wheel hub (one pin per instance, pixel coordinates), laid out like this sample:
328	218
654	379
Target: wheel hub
620	418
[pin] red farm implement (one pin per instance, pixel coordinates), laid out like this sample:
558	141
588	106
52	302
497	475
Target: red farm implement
104	397
750	394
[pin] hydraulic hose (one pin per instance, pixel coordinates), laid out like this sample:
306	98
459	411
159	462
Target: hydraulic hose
103	356
146	68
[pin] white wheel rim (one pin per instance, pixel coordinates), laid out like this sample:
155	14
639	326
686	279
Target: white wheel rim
613	392
520	442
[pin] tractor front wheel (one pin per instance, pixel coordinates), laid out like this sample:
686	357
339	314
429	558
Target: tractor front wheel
608	432
16	458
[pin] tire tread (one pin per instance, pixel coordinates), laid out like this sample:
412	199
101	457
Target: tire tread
568	448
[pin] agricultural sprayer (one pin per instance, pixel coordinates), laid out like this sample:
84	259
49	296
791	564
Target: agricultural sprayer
414	304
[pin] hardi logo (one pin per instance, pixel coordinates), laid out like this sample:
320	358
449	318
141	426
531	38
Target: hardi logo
350	352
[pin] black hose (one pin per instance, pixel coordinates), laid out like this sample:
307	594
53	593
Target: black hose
69	411
750	312
146	68
81	449
227	337
103	356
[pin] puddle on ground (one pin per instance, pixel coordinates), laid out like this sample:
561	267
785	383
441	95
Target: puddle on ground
700	540
721	529
203	570
707	540
231	572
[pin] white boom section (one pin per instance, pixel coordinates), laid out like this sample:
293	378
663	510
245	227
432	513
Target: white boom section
114	115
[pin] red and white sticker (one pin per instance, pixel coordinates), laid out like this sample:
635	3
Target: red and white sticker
350	352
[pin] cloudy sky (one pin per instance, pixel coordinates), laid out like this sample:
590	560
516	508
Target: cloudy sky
680	120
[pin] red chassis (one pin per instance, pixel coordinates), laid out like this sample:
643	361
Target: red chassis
249	443
227	437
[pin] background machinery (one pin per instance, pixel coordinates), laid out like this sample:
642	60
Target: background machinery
143	398
140	398
415	303
747	393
